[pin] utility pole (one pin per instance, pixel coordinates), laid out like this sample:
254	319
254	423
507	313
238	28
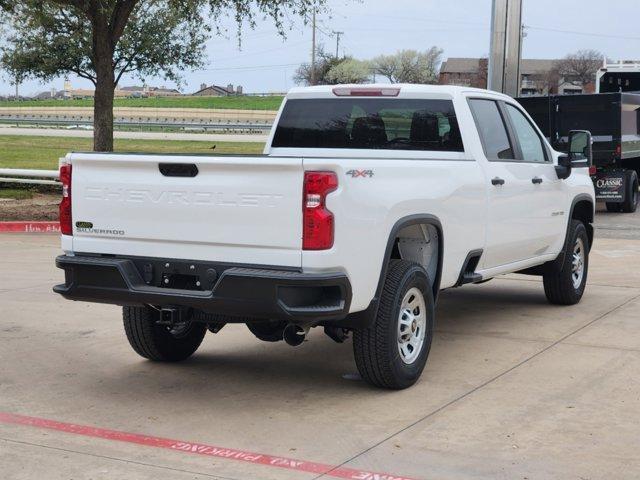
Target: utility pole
506	46
337	34
313	48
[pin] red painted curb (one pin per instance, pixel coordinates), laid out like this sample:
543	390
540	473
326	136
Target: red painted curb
199	449
30	227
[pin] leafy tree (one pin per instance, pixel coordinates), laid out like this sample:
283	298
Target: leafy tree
349	70
101	40
580	68
387	66
409	66
324	63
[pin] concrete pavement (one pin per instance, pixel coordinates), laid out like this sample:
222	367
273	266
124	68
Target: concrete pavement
514	387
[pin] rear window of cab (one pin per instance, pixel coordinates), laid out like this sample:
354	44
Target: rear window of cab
369	123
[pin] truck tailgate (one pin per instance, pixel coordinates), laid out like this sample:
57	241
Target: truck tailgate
236	209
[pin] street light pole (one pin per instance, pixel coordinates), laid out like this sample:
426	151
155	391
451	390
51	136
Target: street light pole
337	34
313	48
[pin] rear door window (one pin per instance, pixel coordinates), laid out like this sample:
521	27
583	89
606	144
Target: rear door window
369	123
492	129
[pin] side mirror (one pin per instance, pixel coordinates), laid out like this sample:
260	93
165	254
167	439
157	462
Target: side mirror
580	148
580	153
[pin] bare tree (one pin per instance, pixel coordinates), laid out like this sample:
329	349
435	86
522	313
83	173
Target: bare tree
547	82
580	68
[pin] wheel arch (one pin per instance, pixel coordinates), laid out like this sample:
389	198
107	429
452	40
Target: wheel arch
403	223
583	209
364	318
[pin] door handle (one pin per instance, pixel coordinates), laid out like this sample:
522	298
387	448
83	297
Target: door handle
178	169
497	181
536	180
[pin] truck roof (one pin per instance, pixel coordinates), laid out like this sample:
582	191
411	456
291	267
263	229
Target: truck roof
323	91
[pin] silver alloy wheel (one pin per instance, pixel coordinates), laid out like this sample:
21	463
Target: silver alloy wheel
412	325
577	263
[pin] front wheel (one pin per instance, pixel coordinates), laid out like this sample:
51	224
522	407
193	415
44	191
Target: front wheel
393	350
565	284
158	342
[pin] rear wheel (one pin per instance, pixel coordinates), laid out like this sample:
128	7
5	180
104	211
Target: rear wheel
158	342
630	204
565	284
392	352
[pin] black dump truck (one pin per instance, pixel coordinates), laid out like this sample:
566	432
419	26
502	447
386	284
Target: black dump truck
614	122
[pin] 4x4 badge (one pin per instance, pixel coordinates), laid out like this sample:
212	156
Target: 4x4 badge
360	173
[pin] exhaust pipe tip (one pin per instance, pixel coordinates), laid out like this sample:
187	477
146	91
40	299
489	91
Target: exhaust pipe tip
294	335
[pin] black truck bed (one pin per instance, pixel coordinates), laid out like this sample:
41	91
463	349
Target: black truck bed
612	118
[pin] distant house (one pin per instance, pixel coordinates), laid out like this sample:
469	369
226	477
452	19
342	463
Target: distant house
137	91
134	91
537	76
164	92
217	91
48	94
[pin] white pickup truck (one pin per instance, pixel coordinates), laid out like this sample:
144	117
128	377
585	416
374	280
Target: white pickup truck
367	202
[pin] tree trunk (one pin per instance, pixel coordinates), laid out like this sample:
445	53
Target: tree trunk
103	108
103	49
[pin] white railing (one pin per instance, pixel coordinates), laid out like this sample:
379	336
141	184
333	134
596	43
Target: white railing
32	177
630	65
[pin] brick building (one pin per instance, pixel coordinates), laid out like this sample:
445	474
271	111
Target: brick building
537	76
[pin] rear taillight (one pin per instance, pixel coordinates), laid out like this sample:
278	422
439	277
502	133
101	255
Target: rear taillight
66	224
618	150
317	227
593	170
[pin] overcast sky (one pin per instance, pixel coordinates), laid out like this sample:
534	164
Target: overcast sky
266	62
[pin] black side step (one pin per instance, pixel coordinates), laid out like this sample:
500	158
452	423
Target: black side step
468	272
471	277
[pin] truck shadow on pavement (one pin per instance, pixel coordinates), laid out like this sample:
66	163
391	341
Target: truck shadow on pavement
234	362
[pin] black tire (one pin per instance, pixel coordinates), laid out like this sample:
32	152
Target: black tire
613	207
559	286
158	342
269	330
376	348
630	204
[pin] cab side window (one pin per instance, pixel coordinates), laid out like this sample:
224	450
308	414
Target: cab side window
529	140
492	129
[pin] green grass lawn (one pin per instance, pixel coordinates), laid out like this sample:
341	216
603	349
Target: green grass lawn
16	193
43	152
239	102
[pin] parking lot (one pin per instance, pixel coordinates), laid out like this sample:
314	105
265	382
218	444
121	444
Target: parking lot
514	388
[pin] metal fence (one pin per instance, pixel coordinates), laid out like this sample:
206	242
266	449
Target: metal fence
142	123
31	177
